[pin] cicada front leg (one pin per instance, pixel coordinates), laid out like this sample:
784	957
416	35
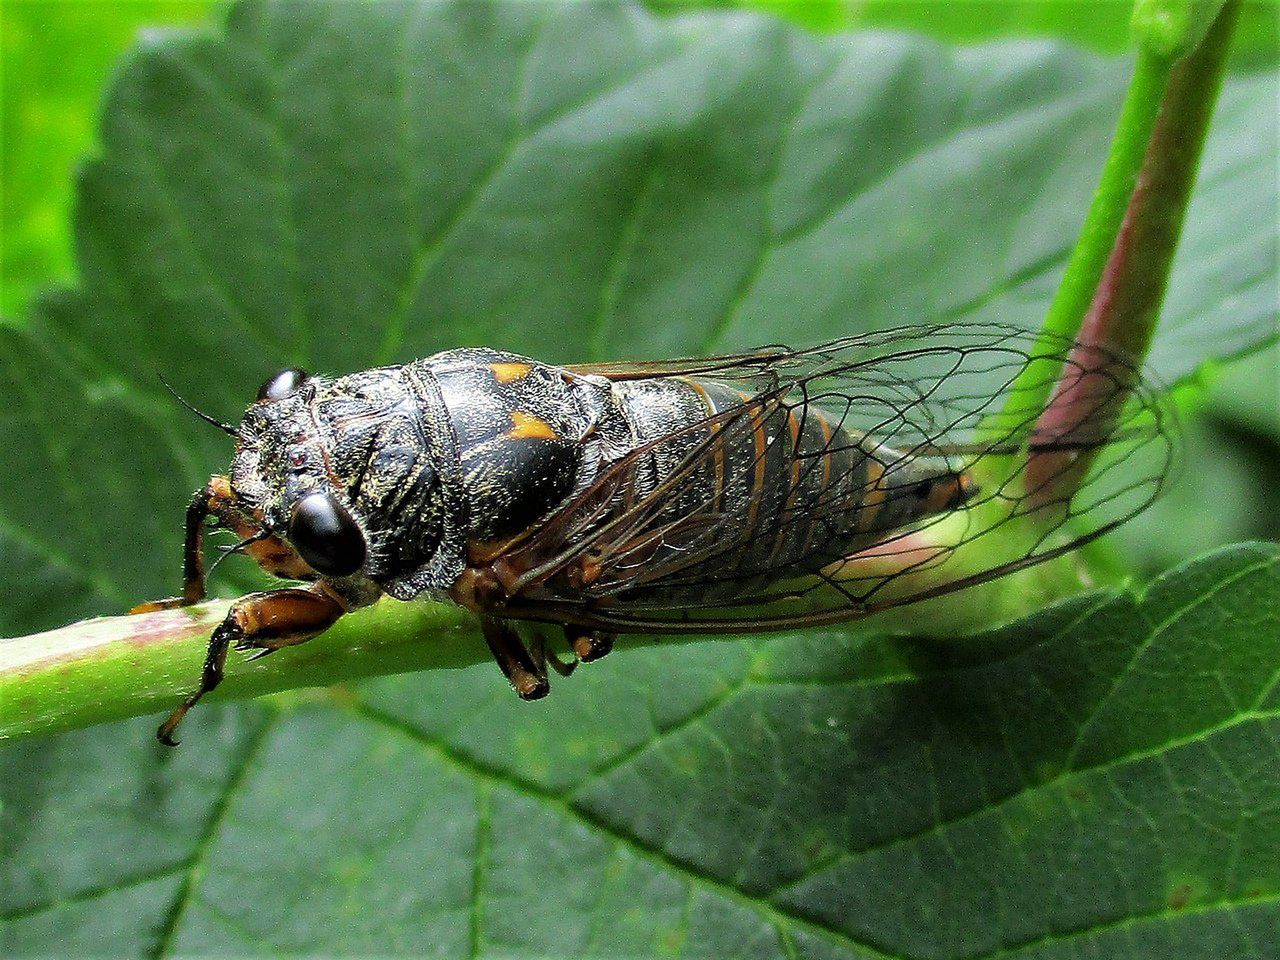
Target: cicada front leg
216	499
202	505
264	622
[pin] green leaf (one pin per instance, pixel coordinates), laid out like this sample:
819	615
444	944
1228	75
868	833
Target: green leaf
1231	445
56	58
1099	781
339	184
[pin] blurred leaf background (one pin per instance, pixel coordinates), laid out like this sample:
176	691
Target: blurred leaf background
58	54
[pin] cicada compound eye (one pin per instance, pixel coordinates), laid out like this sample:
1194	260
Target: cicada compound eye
326	536
283	384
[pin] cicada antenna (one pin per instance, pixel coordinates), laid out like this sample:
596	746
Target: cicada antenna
247	541
224	427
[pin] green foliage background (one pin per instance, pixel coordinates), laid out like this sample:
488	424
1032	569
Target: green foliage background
1099	780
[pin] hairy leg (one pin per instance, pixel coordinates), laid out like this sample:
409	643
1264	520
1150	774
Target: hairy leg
264	622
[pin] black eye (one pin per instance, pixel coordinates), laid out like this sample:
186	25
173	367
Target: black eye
283	384
325	536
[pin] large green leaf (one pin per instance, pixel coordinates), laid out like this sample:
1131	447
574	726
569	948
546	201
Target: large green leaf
55	60
341	184
51	98
1100	782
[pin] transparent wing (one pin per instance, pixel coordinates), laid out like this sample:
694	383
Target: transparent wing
675	550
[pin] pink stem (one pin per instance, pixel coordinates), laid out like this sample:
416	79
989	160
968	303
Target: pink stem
1126	306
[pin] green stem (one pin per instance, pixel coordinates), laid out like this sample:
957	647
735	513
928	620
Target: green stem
1126	304
116	667
1125	307
96	671
112	668
1030	391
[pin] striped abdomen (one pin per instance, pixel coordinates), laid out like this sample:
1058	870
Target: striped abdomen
773	490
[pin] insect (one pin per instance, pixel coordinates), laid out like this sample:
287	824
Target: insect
760	491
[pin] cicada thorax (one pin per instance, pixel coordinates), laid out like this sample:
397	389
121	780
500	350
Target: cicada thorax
520	429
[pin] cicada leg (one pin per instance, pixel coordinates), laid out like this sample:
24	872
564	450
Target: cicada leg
216	499
588	645
481	590
264	622
193	585
545	657
526	675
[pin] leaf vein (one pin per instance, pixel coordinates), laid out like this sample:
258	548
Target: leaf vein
1124	923
92	893
768	241
204	842
1053	783
663	735
431	249
1156	631
473	767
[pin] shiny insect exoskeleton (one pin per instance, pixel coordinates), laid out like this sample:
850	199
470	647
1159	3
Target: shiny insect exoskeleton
761	491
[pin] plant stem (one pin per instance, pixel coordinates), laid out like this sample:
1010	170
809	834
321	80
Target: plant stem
1125	307
110	668
115	667
1030	392
1164	30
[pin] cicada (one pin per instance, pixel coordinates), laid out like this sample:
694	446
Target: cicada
768	490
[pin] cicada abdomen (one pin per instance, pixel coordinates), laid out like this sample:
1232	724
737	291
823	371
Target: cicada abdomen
730	492
760	491
788	488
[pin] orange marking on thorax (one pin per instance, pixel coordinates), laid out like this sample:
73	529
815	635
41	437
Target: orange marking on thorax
528	427
507	372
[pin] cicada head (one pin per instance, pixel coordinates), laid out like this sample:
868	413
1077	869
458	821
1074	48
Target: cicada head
323	463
